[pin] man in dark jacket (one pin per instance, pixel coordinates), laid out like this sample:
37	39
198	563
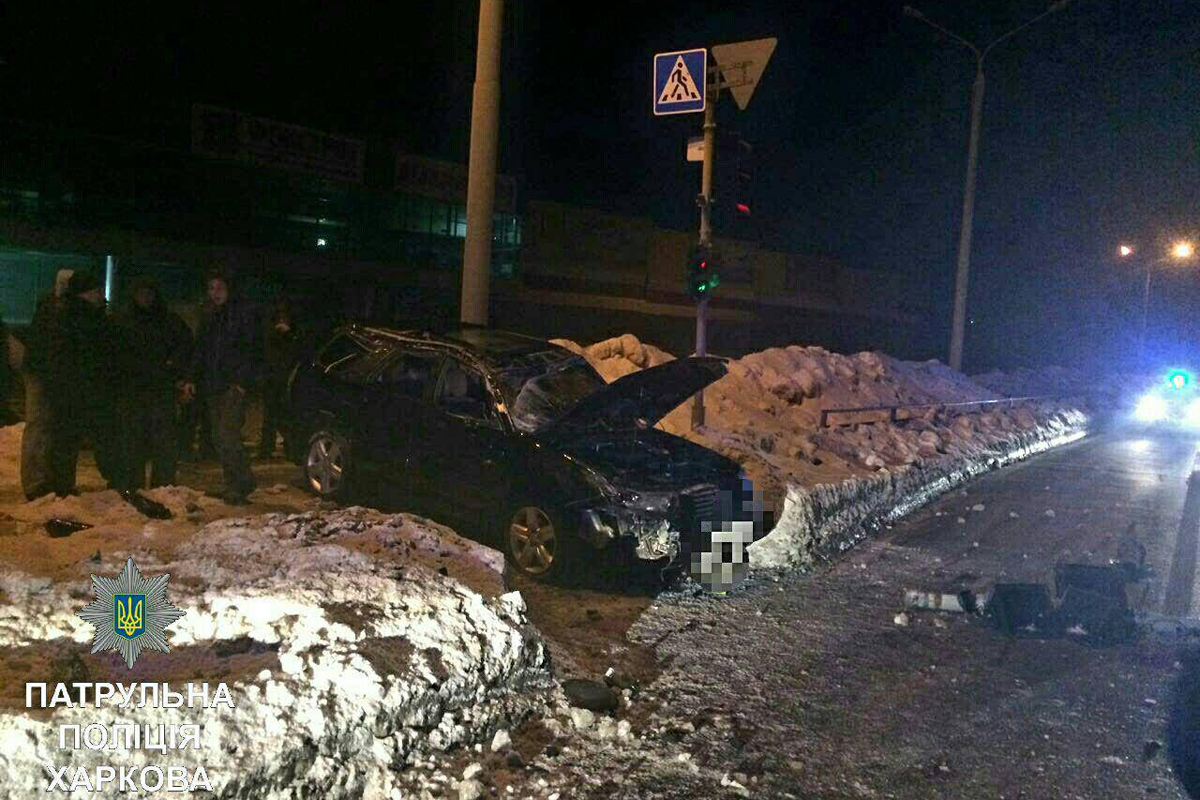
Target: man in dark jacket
281	348
162	344
6	376
71	353
35	439
224	365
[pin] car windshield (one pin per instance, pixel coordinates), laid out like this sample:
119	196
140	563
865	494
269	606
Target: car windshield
544	386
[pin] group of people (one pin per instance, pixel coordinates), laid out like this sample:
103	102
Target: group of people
123	380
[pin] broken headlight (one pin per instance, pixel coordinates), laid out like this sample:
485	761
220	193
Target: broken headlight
641	515
657	503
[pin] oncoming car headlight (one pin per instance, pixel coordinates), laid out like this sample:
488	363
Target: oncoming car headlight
1150	408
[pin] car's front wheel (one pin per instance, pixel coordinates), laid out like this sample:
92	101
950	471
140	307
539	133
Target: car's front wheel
536	543
327	465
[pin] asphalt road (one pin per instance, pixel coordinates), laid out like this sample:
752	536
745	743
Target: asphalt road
808	687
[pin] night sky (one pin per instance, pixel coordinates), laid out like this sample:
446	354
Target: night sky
1091	129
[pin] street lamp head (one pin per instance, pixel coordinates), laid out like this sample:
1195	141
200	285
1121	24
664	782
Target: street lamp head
1182	250
909	11
1058	6
1124	251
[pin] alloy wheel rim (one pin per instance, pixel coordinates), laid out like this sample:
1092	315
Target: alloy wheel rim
325	466
532	540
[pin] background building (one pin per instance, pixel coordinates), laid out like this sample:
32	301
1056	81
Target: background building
350	227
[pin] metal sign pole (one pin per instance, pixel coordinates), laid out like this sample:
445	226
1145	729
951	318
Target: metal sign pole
705	201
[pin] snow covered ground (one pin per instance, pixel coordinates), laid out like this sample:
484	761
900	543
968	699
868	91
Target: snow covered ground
355	643
824	483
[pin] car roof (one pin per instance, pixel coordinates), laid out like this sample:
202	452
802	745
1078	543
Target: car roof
494	346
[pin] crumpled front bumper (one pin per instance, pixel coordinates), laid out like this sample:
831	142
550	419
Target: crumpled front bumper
653	536
687	526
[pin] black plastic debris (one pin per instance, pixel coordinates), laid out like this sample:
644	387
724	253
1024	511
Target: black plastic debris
1093	602
1016	607
591	695
1108	581
145	506
57	528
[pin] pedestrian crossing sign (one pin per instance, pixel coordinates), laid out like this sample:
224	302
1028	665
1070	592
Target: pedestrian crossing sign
679	80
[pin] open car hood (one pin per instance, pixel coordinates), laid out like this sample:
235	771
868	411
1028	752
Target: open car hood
641	399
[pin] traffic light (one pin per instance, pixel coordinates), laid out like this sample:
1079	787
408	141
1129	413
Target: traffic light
702	273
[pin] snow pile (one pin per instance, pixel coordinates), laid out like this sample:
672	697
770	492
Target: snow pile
617	357
824	482
353	643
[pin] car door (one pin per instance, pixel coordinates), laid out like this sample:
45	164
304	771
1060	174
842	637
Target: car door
396	421
463	467
335	396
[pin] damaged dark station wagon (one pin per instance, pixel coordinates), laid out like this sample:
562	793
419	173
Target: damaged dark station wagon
515	439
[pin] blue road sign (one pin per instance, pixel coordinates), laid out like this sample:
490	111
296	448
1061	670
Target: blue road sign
679	80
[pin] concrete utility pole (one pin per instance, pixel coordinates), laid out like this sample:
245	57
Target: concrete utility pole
481	186
962	272
705	203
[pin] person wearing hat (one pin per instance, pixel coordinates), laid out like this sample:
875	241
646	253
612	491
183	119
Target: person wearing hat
162	343
225	366
71	352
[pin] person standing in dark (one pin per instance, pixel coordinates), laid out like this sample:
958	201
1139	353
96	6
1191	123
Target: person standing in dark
35	439
7	369
224	366
280	349
70	351
162	344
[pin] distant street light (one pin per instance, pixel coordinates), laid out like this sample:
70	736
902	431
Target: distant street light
1180	251
968	213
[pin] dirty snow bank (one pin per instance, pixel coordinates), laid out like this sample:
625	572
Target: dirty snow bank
823	483
832	517
353	643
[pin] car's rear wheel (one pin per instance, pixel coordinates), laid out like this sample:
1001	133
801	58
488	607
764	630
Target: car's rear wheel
536	543
327	465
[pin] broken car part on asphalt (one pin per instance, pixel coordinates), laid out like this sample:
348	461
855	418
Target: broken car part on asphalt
1088	600
58	528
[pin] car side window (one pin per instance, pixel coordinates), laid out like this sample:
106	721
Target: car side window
340	355
463	393
409	373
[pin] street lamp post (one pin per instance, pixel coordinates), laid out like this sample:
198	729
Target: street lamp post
1180	251
962	271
